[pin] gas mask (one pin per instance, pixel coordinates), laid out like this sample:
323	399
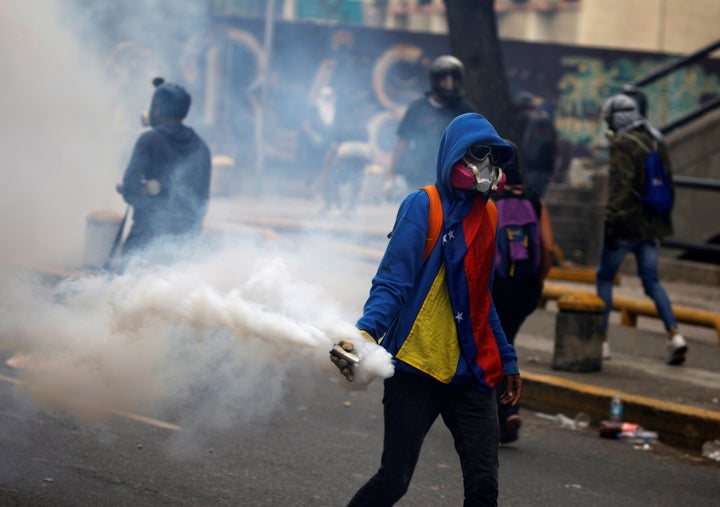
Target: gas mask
477	170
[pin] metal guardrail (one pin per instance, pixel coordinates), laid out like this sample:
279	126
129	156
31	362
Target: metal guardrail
634	87
691	116
679	244
631	308
672	67
698	184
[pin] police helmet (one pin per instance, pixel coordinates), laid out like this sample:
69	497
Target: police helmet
447	65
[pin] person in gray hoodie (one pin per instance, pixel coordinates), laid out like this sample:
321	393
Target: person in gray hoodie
167	181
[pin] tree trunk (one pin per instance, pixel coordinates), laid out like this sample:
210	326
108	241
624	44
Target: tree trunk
472	28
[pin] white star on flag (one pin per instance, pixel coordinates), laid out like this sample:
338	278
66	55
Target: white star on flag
459	317
450	235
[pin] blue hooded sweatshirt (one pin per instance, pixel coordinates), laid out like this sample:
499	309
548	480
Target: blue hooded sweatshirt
436	316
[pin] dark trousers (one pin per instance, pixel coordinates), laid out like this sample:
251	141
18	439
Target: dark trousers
411	404
144	234
514	300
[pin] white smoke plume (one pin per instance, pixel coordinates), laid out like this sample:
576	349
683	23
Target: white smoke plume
218	332
158	337
58	149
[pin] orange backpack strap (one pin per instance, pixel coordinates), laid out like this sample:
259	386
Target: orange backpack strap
492	212
435	218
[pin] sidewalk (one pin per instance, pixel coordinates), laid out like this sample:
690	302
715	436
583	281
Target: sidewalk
681	403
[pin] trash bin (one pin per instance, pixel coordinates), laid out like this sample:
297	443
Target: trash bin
578	333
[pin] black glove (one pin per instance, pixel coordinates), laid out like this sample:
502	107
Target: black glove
609	237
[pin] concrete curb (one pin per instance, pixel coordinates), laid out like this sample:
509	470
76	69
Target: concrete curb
678	425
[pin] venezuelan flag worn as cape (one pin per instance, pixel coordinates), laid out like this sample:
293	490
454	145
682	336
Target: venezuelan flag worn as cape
437	317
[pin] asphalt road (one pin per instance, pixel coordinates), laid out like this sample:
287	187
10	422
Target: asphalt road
294	437
314	447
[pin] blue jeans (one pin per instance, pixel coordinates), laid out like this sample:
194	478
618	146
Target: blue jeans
646	255
411	404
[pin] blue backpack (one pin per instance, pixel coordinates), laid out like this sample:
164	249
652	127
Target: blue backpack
657	194
518	240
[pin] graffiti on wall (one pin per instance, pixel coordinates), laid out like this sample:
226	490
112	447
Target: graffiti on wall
586	82
376	73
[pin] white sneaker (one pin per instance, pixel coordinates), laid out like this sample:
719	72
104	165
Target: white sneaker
676	349
605	351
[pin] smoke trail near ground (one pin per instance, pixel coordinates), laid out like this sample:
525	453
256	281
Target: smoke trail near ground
216	331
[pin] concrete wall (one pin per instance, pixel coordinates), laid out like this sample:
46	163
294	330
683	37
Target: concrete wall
532	25
576	214
673	26
676	26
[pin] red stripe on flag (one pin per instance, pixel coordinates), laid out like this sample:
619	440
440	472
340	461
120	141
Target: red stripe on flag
480	241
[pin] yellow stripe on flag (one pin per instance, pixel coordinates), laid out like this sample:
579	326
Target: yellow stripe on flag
432	345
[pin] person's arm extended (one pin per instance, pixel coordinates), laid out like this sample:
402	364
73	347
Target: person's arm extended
398	268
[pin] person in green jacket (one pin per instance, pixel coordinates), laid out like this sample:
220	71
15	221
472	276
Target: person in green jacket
630	224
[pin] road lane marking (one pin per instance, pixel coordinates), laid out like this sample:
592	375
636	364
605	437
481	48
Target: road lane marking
120	413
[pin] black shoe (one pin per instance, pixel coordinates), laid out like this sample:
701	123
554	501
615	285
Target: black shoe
509	430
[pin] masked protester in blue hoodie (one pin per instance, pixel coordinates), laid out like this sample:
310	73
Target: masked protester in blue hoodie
436	317
167	181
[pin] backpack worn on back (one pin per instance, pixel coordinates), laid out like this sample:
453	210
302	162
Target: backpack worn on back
657	194
538	139
518	240
435	218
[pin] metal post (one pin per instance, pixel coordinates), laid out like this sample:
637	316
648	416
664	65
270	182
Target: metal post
260	132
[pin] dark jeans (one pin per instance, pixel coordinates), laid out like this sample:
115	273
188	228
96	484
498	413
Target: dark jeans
514	300
412	403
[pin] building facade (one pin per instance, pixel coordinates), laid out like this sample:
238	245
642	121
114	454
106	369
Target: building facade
667	26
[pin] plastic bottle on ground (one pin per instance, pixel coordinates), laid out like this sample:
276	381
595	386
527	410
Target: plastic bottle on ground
616	408
641	439
581	421
639	435
711	450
